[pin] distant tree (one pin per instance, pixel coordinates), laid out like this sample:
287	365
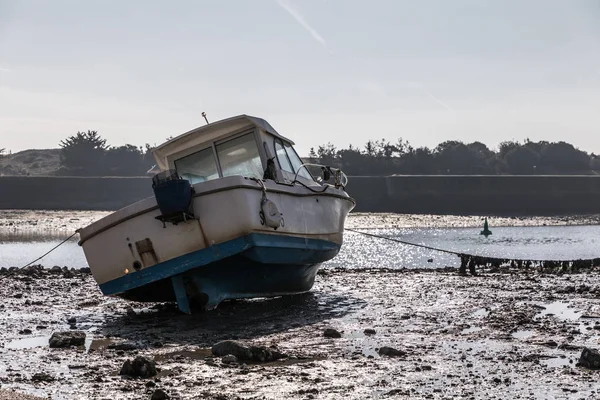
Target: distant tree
522	160
595	163
353	161
380	157
2	152
83	153
481	149
506	147
418	161
402	147
125	160
486	159
563	158
371	148
327	154
457	158
149	156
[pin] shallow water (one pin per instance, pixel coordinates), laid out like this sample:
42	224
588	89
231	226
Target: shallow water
18	251
359	251
545	243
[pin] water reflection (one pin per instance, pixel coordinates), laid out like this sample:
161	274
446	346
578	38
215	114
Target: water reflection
18	248
552	243
24	236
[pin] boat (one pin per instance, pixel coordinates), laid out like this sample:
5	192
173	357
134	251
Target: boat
235	214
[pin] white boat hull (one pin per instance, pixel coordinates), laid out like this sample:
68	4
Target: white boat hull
132	243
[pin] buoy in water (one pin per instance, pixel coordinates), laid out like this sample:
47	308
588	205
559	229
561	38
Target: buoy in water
486	229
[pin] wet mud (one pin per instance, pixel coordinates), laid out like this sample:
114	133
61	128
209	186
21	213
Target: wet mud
509	334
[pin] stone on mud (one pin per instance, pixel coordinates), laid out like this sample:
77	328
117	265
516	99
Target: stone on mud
67	339
590	359
391	352
68	275
42	377
332	333
159	394
229	359
369	331
245	352
140	367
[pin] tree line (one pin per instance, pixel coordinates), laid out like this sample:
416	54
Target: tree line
88	154
380	157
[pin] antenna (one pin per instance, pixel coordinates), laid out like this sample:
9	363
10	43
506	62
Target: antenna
206	119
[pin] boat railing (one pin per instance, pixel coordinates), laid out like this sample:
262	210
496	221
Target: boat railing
340	178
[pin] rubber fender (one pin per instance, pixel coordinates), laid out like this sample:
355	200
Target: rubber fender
272	215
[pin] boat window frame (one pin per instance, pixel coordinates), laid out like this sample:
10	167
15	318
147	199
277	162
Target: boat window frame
214	143
219	172
234	136
275	140
287	156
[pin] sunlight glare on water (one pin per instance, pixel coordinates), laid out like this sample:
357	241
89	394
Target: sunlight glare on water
545	243
358	251
18	250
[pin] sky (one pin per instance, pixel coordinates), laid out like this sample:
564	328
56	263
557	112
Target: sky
339	71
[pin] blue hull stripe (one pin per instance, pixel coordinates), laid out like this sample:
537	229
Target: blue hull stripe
187	262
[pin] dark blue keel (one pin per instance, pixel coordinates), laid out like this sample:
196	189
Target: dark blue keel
257	265
180	294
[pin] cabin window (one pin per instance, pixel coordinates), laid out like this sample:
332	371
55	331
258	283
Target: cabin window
289	160
198	167
296	162
240	156
284	162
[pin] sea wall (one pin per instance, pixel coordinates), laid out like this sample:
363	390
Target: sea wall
71	193
443	194
497	194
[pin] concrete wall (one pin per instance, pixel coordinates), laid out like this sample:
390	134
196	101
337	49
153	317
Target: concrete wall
500	195
71	193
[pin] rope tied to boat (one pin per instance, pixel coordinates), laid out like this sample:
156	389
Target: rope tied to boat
12	271
472	261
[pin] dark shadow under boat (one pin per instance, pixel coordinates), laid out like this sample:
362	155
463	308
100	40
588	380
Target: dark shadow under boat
239	319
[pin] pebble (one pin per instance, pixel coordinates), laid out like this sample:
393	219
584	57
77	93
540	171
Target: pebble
590	359
42	377
391	352
229	359
332	333
140	367
159	394
67	339
246	352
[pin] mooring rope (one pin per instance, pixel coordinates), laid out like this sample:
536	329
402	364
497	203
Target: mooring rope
471	260
10	272
467	260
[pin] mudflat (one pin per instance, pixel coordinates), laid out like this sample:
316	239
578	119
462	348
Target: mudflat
11	395
358	334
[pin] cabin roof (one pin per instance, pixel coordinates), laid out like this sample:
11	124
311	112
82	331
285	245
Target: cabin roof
222	124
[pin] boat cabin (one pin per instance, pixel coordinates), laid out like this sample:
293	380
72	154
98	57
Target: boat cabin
242	145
